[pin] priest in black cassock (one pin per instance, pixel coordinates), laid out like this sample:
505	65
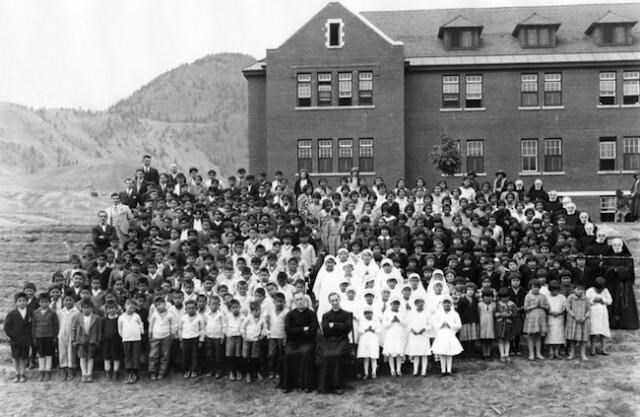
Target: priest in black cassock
336	326
299	362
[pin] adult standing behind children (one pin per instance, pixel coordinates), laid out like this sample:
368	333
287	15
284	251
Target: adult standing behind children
299	367
337	324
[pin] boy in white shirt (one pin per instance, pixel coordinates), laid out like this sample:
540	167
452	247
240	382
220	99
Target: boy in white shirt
254	329
191	334
233	339
131	329
161	325
276	334
214	337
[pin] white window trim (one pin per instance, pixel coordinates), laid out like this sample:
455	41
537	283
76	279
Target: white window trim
553	107
327	35
607	106
529	108
336	107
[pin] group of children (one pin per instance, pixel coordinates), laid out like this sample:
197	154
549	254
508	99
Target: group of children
204	279
216	334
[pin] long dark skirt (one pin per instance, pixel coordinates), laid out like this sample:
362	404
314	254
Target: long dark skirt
299	366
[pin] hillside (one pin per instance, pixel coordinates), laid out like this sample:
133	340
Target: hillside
195	115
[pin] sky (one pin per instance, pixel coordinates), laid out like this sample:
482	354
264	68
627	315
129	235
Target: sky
91	53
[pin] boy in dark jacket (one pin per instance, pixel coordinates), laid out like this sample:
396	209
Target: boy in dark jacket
45	330
17	326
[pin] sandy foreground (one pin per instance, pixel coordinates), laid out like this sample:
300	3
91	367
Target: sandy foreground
31	248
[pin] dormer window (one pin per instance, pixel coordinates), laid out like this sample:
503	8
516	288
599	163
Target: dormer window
460	33
536	32
611	30
334	33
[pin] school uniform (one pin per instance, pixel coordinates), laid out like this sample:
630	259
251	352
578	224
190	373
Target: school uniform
17	326
191	334
160	330
276	338
45	328
214	341
131	329
87	334
233	335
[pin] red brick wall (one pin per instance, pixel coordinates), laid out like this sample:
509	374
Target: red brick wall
306	52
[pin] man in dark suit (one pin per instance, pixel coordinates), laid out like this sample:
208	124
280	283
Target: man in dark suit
130	196
140	184
150	174
102	233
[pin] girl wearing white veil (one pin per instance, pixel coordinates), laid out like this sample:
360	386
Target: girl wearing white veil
366	270
327	281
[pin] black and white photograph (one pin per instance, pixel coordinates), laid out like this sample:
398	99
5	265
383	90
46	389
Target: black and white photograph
321	208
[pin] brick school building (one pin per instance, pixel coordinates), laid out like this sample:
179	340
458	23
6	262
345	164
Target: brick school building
548	92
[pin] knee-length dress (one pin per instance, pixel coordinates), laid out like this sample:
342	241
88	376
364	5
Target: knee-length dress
536	307
555	332
577	308
599	312
487	320
468	311
395	336
368	344
418	344
505	313
446	343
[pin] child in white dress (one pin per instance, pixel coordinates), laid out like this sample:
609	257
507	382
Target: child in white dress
418	348
557	305
368	345
446	344
599	297
394	322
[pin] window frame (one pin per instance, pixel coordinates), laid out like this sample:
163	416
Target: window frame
331	23
325	155
345	154
609	162
366	154
610	32
345	96
473	80
606	97
322	88
631	80
305	162
445	94
549	85
303	82
552	155
365	88
631	153
475	158
533	160
526	92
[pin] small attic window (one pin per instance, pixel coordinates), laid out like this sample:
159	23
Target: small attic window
334	33
538	37
461	39
614	35
460	33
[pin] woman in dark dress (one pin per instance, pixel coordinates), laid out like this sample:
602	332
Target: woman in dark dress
620	276
337	324
593	253
299	363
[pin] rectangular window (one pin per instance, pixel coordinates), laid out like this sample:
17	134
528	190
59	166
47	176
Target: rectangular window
553	155
607	88
365	155
324	89
529	153
325	155
532	37
473	87
607	154
475	156
345	155
365	88
607	208
553	89
631	153
345	88
334	33
529	90
631	87
614	35
304	90
450	91
461	39
543	37
305	155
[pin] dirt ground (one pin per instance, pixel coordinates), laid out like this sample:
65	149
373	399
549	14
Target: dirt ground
603	386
